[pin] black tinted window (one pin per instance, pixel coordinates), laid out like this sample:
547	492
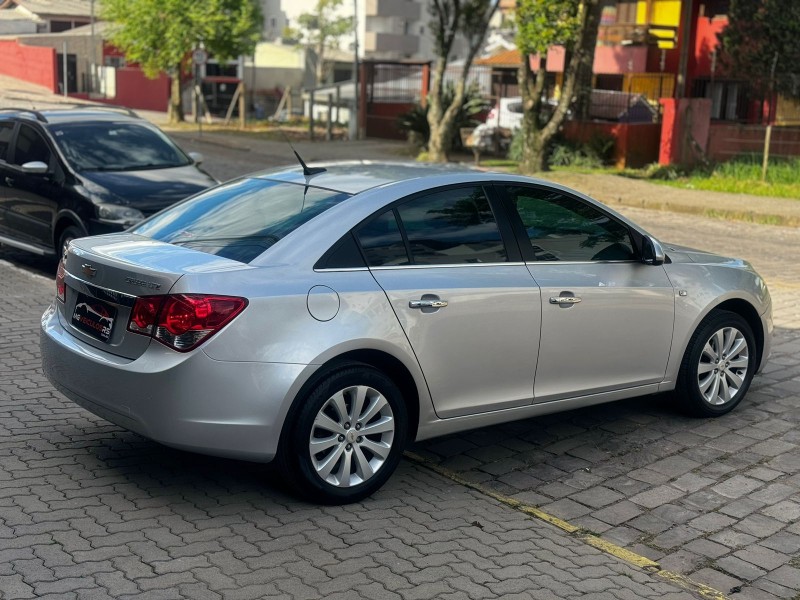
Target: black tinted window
109	146
563	228
452	227
241	219
30	147
381	241
6	129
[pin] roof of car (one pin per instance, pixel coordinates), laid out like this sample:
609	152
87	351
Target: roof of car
70	115
356	176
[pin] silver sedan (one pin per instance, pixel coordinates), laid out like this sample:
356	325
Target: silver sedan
325	318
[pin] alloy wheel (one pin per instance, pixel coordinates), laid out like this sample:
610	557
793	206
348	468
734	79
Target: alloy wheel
352	436
723	366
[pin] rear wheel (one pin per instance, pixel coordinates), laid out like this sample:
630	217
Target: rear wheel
347	437
718	366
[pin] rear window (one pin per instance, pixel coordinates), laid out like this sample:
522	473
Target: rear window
241	219
108	146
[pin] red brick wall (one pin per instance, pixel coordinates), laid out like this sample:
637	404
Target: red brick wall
727	141
29	63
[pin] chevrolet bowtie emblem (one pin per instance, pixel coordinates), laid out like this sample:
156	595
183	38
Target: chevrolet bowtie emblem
88	270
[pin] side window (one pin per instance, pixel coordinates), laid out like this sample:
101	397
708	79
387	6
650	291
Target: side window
452	227
381	241
563	228
6	129
30	146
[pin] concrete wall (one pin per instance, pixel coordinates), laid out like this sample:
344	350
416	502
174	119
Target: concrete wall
37	65
79	45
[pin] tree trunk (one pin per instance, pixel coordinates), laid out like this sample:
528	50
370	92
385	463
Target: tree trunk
585	76
537	136
175	100
534	147
437	140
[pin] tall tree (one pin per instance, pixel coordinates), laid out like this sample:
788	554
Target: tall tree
160	34
321	30
761	45
451	18
572	24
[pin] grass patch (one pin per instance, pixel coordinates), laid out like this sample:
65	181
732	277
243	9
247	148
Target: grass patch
739	176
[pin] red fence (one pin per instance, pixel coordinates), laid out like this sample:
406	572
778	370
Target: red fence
29	63
635	145
134	90
727	141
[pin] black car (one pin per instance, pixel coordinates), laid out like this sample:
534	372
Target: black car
67	173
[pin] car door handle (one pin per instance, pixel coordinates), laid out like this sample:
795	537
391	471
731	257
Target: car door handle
427	303
565	300
9	182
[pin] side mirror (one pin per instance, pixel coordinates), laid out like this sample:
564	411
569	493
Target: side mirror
35	167
196	157
652	252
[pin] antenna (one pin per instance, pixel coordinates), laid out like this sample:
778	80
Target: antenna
307	171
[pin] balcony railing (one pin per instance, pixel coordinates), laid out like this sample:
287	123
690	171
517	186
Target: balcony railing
632	33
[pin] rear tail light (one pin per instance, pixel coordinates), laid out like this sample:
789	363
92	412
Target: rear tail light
61	286
183	321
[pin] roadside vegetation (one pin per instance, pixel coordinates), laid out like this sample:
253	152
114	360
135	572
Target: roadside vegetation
739	176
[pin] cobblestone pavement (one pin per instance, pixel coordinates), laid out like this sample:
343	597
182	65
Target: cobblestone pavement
88	510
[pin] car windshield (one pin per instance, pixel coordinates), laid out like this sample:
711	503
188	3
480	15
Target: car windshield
109	146
241	219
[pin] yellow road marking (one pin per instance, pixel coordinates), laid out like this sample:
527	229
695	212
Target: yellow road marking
605	546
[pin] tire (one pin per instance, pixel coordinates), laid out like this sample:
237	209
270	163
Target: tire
70	233
711	383
347	465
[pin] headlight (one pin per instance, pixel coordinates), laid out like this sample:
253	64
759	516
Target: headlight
119	215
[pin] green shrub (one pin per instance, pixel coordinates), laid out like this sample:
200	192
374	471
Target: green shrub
415	121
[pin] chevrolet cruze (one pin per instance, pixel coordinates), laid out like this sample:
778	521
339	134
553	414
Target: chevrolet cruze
326	318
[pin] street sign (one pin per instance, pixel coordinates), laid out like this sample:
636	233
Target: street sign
199	56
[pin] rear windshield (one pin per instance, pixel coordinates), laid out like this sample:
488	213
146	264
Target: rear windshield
108	146
241	219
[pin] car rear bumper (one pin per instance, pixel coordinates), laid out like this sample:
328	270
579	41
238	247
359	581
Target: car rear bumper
188	401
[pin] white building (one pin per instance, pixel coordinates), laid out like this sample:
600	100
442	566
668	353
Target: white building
387	29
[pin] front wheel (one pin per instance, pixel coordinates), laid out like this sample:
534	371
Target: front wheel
347	437
718	366
70	233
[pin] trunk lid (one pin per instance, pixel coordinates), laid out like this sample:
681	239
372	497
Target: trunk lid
104	276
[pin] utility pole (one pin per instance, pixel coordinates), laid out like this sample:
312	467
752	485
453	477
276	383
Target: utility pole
354	133
93	74
686	41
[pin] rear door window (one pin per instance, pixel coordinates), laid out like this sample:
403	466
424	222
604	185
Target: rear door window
449	227
241	219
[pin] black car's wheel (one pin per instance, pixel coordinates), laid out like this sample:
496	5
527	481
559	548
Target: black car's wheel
718	365
70	233
347	437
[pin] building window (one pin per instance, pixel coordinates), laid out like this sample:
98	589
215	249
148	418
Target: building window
728	100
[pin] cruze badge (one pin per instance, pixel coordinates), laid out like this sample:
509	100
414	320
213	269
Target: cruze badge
148	284
88	270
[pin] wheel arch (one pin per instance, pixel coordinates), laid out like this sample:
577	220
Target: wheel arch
380	360
64	219
748	312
